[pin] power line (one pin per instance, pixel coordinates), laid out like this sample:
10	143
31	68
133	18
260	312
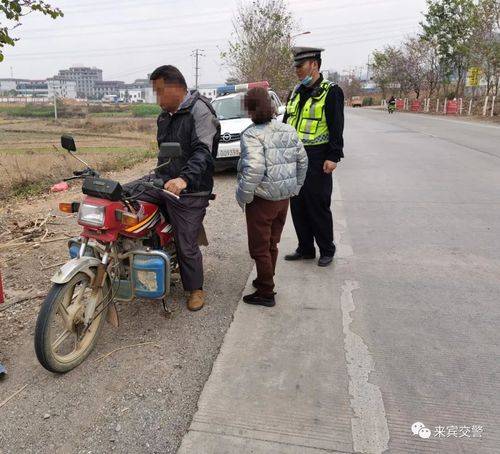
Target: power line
146	47
163	19
143	48
366	24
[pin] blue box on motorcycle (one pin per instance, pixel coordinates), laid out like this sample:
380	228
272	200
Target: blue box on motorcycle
148	276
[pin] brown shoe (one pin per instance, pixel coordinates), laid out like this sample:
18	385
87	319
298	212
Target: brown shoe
196	300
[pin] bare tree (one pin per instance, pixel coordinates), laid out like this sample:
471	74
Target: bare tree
261	47
386	67
350	84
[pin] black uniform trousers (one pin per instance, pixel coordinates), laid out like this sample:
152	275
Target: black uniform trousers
186	216
311	212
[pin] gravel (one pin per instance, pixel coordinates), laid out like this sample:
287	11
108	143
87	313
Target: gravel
138	399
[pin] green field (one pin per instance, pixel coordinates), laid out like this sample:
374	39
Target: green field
80	110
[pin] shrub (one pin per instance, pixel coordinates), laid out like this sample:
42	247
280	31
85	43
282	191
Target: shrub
146	110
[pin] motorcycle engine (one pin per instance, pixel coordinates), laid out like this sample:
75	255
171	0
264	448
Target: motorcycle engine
128	244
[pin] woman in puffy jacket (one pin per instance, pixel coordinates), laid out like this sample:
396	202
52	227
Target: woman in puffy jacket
272	168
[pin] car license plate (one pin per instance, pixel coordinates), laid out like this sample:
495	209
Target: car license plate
228	153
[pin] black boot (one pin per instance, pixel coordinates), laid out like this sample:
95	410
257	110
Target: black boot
325	260
256	299
254	285
298	256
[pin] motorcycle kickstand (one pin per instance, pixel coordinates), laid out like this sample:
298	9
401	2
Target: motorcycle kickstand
166	302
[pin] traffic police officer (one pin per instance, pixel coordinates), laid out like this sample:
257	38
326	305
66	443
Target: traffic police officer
316	109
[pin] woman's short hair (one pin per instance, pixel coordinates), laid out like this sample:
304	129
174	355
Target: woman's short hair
258	104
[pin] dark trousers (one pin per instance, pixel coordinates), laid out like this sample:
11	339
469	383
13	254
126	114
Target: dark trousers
186	216
265	222
311	213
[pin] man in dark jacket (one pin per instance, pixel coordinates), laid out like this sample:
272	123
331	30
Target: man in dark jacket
315	109
190	120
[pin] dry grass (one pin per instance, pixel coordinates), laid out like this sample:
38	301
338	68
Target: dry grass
113	124
29	174
29	164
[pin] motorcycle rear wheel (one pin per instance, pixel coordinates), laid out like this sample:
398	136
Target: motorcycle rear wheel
61	343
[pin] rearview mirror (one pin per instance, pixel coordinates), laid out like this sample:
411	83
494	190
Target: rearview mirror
170	150
68	143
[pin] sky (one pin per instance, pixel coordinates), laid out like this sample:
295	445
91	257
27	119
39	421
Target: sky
129	38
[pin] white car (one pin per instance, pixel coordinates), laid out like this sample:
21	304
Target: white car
233	121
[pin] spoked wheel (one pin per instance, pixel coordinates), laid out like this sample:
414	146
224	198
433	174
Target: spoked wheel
62	341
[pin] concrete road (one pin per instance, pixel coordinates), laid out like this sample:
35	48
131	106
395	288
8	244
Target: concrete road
422	203
404	328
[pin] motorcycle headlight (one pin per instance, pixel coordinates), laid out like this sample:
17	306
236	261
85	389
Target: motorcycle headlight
91	215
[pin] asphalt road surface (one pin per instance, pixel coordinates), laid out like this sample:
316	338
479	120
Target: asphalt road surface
421	205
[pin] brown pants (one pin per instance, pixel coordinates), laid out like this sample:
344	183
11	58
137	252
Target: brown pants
265	222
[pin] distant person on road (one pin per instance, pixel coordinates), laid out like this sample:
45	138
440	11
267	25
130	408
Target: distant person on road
392	100
271	169
315	108
187	118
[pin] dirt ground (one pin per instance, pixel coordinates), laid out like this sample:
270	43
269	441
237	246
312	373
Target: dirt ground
138	399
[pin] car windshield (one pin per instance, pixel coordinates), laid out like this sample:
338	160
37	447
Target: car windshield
228	108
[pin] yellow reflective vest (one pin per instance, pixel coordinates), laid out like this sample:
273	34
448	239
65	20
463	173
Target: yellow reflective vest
310	122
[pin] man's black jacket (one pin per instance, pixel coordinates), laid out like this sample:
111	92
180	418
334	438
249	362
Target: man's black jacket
197	129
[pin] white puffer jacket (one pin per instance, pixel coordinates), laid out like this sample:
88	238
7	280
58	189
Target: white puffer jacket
273	163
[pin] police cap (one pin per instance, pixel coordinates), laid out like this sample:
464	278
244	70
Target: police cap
301	54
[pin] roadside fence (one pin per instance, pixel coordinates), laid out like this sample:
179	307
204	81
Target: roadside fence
486	107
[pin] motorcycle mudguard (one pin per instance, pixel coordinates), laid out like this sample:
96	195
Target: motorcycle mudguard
73	267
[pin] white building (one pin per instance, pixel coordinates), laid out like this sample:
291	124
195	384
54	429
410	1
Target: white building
61	88
84	77
149	95
7	85
132	95
209	90
32	88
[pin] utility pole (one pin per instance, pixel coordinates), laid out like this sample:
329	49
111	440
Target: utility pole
197	53
11	73
55	105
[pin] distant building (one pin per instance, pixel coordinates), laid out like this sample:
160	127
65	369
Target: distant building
61	88
107	87
149	95
139	84
209	90
8	85
110	98
33	89
85	79
132	95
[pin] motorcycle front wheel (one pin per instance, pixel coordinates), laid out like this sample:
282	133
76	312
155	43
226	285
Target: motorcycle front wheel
61	340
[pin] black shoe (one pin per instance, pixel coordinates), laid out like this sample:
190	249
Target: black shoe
254	285
254	298
325	260
298	256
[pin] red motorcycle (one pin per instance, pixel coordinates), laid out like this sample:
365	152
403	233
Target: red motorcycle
126	251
